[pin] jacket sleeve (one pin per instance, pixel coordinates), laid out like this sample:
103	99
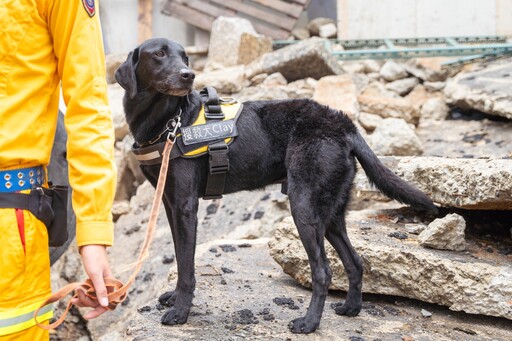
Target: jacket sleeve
78	46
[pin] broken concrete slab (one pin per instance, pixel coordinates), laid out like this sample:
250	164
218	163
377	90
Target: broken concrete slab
307	58
403	86
427	69
234	41
474	184
394	136
488	90
392	71
466	139
338	92
389	107
228	80
469	282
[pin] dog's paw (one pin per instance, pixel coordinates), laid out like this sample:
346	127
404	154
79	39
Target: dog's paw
347	309
174	316
168	299
303	326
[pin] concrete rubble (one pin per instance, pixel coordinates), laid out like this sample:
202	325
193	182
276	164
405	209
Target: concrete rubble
307	58
394	136
338	92
461	281
445	233
472	184
234	41
404	109
488	90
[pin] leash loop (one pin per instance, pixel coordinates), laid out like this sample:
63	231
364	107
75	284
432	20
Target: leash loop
117	290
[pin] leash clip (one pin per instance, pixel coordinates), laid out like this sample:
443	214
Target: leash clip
176	124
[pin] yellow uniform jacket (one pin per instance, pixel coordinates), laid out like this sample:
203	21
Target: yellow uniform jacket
44	43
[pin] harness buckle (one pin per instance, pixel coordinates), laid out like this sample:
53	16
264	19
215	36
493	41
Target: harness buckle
219	160
213	115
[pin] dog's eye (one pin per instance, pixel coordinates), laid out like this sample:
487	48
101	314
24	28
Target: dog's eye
185	60
160	53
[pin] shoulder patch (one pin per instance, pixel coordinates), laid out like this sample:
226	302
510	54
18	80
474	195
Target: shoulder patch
89	6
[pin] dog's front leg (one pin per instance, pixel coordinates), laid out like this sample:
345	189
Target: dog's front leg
182	216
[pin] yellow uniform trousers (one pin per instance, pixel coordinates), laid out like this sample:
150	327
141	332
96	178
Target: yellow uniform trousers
25	275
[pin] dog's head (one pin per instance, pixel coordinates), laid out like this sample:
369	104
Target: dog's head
157	64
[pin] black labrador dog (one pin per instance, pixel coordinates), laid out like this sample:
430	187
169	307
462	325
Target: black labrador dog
310	146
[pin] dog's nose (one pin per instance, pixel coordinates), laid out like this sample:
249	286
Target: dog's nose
187	74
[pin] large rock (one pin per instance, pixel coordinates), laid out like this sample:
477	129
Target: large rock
475	184
392	71
445	233
338	92
129	174
307	58
369	121
394	136
315	25
488	90
434	109
403	86
427	69
389	107
234	41
461	281
227	80
112	62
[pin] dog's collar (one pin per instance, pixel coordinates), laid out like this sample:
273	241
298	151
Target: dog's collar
170	127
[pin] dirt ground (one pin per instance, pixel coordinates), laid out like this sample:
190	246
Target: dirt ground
242	293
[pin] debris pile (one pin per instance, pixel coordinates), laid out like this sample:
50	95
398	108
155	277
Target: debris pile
446	131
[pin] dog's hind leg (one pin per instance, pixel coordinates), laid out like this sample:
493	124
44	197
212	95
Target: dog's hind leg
311	228
337	236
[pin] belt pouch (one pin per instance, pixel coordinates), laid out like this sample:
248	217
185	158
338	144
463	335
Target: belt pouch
58	226
49	205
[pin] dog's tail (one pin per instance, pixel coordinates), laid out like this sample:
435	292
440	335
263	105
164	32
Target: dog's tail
385	180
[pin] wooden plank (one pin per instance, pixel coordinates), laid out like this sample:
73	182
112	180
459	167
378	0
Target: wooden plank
272	32
286	8
273	19
304	3
208	8
189	15
276	23
145	20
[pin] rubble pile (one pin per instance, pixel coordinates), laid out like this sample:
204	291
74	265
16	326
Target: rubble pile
449	132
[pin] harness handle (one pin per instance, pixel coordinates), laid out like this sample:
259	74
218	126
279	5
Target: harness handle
117	291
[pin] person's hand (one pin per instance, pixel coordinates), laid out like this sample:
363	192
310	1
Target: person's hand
94	258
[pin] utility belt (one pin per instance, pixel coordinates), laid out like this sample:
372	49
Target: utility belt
49	205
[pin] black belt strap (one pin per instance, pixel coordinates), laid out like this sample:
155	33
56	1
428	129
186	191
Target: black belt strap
218	151
219	166
32	202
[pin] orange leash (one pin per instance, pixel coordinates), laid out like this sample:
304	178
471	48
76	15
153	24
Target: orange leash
117	291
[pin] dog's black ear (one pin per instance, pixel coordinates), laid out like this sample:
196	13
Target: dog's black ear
125	73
